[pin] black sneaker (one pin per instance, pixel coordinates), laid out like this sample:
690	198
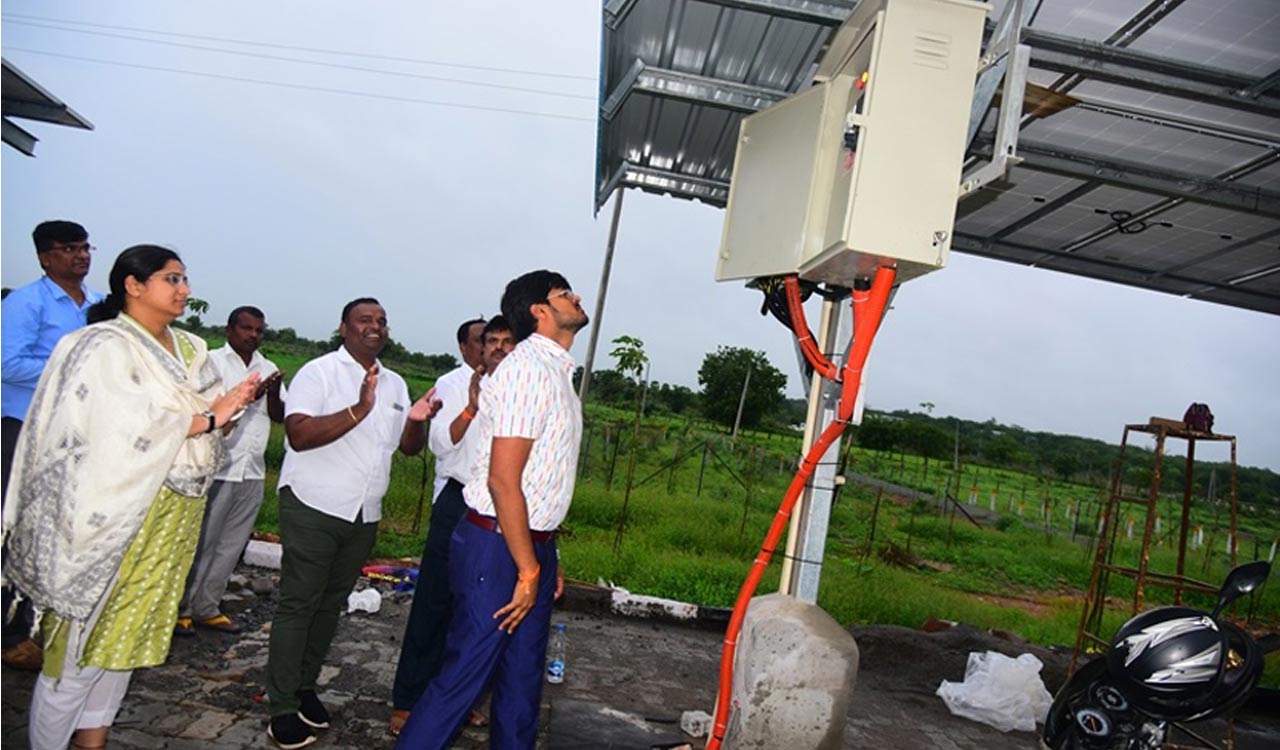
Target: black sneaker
312	711
289	732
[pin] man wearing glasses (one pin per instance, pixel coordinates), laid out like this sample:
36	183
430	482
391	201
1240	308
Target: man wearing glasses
503	564
33	318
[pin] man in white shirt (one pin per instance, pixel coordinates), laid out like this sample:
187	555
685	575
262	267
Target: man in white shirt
453	443
236	493
503	560
345	416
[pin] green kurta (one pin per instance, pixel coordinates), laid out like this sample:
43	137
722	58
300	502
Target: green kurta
135	627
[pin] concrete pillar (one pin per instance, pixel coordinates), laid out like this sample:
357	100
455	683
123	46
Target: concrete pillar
793	678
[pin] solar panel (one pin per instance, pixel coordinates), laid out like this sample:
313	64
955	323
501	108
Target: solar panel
1164	173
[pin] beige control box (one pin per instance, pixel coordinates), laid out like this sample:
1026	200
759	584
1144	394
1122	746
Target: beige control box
863	168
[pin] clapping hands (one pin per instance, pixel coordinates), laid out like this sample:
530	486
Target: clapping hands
426	407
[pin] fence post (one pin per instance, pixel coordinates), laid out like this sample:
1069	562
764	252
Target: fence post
671	478
586	451
613	459
703	467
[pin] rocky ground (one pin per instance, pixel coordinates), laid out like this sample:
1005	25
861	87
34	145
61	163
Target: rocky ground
628	682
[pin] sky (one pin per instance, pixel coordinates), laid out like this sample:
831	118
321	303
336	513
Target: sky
297	187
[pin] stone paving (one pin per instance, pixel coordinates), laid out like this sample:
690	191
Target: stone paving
628	682
208	696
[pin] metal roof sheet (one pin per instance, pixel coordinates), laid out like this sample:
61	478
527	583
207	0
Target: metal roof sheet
1165	174
23	98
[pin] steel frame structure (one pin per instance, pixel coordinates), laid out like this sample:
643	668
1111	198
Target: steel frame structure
25	99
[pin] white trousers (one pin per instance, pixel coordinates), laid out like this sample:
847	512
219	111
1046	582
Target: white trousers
83	698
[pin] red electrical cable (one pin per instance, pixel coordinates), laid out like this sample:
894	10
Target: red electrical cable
868	309
804	337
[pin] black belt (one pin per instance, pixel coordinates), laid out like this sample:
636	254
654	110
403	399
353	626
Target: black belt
489	523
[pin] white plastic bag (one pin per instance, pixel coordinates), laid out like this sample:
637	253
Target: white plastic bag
369	600
695	723
1000	692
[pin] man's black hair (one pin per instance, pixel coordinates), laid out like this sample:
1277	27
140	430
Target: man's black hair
48	233
529	289
465	328
358	301
249	310
498	323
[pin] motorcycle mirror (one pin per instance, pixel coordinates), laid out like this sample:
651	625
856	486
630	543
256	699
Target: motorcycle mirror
1242	580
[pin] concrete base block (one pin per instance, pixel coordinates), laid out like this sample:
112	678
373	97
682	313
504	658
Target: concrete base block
793	679
263	554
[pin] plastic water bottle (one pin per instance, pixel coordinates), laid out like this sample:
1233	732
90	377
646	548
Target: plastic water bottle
555	656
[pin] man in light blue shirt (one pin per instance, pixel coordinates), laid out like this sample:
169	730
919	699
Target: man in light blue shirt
33	319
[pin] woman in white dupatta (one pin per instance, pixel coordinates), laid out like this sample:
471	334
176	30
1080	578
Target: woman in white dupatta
107	494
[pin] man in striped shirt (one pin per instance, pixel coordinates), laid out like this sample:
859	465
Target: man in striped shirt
503	567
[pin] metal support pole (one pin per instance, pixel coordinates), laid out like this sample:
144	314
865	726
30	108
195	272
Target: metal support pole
807	535
600	295
1187	473
742	401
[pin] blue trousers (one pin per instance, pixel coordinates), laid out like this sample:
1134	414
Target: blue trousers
482	577
422	650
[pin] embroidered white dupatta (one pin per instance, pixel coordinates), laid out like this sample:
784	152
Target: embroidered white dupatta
107	428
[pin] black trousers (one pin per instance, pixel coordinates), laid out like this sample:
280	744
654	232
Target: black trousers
18	629
422	651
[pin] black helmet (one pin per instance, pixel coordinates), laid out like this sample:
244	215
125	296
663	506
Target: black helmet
1171	662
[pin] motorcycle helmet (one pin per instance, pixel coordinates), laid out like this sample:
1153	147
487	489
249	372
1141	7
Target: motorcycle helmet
1170	662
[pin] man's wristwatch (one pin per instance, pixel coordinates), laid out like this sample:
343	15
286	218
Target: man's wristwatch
213	422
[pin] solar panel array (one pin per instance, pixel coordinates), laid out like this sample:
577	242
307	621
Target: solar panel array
1164	173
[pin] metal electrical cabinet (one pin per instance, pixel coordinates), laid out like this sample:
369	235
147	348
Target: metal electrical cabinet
862	169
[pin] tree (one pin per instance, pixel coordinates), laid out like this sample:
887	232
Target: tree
926	440
283	335
632	361
721	377
612	387
629	351
440	362
197	307
1066	464
676	399
879	434
1000	450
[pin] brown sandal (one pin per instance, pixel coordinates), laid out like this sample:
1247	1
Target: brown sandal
398	718
477	719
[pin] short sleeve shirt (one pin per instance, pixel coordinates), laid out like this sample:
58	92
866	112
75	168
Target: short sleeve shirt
453	460
531	396
350	474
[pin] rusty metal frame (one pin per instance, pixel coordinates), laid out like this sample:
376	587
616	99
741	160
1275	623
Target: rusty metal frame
1104	555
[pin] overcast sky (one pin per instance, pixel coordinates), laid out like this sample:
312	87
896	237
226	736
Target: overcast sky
299	197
